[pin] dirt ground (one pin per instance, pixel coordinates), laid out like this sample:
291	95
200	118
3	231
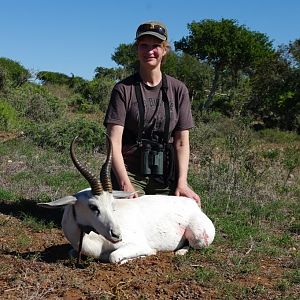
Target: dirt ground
37	266
34	264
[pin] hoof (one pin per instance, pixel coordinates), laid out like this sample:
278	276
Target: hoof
182	251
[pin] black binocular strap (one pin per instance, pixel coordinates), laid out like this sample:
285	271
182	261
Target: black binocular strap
167	108
141	106
139	97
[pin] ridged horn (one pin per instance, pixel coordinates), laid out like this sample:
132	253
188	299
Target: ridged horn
106	168
89	176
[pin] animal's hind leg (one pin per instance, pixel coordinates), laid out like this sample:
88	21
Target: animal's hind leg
200	232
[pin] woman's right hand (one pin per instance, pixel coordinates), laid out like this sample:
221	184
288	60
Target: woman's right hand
130	188
116	132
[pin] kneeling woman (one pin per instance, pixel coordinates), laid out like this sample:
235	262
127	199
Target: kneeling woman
148	120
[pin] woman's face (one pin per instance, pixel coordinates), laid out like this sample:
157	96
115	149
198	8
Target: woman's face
150	51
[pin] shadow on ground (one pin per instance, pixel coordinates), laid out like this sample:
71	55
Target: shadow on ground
53	254
26	207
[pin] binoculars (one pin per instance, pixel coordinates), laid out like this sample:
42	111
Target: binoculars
152	159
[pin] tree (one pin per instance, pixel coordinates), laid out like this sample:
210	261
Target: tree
195	74
276	89
294	50
75	83
12	72
53	77
126	56
226	46
109	73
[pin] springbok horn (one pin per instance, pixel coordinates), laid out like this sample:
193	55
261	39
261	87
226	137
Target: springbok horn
106	168
91	178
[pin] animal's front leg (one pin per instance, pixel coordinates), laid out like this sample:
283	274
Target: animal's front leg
130	251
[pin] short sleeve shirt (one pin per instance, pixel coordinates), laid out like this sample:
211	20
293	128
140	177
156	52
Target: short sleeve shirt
123	110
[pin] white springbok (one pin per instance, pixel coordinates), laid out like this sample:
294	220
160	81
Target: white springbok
98	223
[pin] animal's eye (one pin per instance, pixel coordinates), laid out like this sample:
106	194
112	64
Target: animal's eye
94	208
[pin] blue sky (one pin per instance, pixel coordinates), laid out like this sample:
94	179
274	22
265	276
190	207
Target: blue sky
72	36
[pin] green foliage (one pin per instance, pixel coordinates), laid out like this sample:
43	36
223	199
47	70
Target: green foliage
294	50
58	135
197	75
75	83
126	56
109	73
62	92
53	77
275	92
8	116
42	173
291	158
95	92
277	136
100	90
231	99
81	104
237	175
227	47
12	73
2	79
35	103
270	154
225	44
291	161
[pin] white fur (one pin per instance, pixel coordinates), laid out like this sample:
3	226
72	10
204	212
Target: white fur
130	228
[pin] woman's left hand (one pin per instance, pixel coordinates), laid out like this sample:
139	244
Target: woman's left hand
187	192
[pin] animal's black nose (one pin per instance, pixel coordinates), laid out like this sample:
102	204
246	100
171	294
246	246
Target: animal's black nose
115	235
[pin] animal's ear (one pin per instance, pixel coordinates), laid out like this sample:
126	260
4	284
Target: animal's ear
122	194
59	203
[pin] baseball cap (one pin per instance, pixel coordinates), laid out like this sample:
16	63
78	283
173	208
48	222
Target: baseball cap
153	28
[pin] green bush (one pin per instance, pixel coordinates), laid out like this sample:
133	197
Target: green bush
60	91
36	103
53	77
8	116
278	136
58	135
82	105
12	73
2	79
97	91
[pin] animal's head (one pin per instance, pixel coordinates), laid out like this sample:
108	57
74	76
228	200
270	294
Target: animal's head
93	209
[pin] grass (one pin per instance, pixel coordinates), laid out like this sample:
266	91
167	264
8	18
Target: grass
23	240
277	136
250	187
36	224
7	195
250	190
31	166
